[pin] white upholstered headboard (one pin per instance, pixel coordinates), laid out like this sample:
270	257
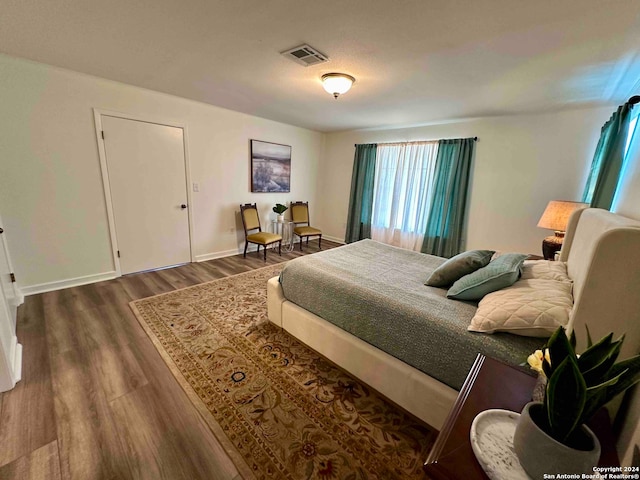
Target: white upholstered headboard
602	251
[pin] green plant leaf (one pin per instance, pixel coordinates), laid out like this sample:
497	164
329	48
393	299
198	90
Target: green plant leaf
578	387
595	354
546	368
543	419
566	396
628	373
606	383
280	208
559	349
596	397
631	364
594	401
599	372
589	341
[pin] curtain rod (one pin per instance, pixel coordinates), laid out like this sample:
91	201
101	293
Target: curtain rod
405	143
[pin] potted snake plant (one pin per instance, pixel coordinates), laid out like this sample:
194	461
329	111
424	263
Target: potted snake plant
551	436
280	209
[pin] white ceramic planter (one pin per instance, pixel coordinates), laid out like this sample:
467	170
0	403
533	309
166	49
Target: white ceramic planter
280	218
539	453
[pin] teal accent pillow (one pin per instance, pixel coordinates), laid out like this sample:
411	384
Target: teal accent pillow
501	273
457	267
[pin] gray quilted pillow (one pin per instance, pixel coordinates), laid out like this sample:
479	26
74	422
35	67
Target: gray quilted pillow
531	308
544	270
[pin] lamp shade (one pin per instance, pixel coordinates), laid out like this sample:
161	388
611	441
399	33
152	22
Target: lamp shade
556	215
337	83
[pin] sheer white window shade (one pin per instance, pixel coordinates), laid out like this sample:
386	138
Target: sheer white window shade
403	193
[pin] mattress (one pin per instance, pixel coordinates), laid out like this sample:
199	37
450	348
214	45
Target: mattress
377	293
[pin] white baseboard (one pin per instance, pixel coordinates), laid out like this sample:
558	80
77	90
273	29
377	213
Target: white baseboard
211	256
70	282
226	253
99	277
334	239
19	300
252	248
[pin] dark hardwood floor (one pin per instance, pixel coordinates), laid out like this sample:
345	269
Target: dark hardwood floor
96	400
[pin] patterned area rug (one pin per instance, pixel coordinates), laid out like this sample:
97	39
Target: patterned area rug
280	409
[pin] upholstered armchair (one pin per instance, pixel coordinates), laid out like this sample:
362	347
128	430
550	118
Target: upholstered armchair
251	222
302	227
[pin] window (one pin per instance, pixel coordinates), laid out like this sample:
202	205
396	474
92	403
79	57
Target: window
403	192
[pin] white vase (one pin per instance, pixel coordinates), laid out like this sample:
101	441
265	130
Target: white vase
280	218
539	453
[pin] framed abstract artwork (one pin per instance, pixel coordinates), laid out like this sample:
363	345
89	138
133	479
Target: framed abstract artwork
270	167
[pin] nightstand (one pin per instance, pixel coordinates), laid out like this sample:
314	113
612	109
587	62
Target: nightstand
492	384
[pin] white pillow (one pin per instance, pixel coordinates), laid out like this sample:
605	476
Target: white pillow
544	270
531	308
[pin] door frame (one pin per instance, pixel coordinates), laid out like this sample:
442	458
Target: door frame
19	296
98	113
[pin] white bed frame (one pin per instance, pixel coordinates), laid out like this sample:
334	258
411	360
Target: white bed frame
602	251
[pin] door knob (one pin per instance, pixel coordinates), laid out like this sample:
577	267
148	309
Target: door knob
183	206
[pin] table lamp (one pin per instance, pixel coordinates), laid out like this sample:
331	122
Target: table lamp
555	217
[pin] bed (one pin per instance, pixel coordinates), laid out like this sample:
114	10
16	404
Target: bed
376	295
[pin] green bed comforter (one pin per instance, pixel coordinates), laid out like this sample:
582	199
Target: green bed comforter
377	293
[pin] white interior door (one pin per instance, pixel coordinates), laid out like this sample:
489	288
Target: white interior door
6	282
147	181
10	349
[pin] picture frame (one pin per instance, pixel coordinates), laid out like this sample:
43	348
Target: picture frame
270	167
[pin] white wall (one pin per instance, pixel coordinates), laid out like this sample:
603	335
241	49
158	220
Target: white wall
51	194
521	163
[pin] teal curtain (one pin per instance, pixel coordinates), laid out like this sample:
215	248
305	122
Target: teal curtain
361	201
444	235
608	160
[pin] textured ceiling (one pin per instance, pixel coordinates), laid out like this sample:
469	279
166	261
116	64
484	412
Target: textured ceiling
415	61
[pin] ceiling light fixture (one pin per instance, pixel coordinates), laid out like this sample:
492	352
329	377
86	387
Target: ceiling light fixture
337	83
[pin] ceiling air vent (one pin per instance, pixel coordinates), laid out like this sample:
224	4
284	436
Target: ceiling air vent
306	55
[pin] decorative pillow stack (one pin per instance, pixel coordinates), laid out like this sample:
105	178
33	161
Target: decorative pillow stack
459	266
534	306
498	274
473	274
